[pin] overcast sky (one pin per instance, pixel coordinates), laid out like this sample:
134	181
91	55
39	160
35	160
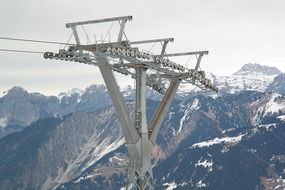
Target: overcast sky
234	31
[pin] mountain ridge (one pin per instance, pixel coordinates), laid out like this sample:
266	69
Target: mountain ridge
81	140
74	139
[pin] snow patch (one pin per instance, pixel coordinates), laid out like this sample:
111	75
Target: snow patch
183	184
3	122
200	184
205	163
273	106
267	126
227	140
71	92
170	186
281	117
4	93
84	178
104	149
195	106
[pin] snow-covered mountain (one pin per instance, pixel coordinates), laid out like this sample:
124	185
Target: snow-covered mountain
250	77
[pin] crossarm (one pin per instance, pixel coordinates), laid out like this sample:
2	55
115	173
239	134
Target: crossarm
68	25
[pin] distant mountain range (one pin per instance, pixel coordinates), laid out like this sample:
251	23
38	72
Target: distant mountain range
233	140
249	77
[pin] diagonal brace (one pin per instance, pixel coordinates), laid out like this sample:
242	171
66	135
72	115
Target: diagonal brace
198	61
162	109
122	28
130	133
164	47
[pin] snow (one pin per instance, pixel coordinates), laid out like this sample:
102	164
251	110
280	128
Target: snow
205	163
118	161
267	126
273	106
250	81
185	88
245	79
170	186
3	122
239	81
193	107
4	93
277	187
267	106
116	158
71	92
104	148
85	177
281	117
227	140
91	155
183	184
200	184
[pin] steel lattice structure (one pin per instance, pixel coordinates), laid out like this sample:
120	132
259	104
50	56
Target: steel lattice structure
164	76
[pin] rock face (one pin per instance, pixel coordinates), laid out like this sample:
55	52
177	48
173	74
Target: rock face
278	85
250	68
83	150
18	108
52	151
234	140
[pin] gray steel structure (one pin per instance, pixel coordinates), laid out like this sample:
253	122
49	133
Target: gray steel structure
120	56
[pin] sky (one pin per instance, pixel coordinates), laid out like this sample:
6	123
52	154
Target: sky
235	32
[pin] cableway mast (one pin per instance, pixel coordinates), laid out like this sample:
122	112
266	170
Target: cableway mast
147	69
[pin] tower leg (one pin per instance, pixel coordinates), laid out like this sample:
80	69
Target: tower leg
140	172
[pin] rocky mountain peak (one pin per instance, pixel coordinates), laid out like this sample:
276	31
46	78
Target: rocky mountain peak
17	91
96	88
257	68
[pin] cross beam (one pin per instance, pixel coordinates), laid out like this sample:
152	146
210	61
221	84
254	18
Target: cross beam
153	41
68	25
185	53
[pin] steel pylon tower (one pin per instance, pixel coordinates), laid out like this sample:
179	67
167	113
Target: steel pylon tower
147	69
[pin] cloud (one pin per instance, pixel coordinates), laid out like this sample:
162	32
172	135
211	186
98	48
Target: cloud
235	32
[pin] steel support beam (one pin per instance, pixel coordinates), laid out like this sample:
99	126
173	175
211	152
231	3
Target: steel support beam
162	109
153	41
140	171
122	28
68	25
130	133
198	61
76	36
164	48
184	54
